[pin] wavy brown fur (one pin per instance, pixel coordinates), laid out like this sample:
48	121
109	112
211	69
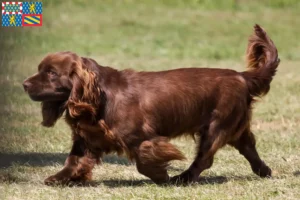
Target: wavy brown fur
84	97
262	59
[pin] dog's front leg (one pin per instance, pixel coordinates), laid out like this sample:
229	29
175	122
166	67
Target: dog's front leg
153	157
78	165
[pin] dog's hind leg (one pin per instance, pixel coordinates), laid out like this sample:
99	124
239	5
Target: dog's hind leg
211	140
246	146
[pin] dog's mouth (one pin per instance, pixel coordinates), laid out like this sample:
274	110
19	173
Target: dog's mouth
48	96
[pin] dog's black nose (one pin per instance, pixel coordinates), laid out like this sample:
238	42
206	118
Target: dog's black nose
26	85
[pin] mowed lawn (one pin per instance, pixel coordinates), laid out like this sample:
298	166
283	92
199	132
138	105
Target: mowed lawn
151	35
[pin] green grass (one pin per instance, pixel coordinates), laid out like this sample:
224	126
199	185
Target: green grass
151	35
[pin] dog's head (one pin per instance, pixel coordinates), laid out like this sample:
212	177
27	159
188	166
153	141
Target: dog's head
64	80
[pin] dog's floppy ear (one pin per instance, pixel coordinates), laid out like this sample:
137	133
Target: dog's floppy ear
84	97
52	111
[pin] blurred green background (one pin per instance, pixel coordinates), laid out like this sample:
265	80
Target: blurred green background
151	35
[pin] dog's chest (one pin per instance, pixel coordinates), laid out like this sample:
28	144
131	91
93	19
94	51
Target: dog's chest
97	136
92	135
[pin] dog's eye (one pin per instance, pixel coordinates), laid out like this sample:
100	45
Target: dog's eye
52	73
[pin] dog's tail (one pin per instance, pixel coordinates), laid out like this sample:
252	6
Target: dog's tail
262	60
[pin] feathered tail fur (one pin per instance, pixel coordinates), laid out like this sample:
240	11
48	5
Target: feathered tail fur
262	62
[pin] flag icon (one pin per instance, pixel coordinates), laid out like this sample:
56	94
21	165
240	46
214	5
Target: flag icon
22	13
12	8
11	20
32	20
32	7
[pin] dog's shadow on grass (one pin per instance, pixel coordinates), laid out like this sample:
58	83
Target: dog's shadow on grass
47	159
296	173
209	180
139	183
31	159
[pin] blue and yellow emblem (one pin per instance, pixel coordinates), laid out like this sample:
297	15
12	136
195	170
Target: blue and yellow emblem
11	20
32	7
22	13
32	20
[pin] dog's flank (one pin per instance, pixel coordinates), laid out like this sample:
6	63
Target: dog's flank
137	113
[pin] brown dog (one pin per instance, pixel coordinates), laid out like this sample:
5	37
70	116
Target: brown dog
138	112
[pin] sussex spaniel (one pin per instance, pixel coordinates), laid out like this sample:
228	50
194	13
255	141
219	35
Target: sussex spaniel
136	113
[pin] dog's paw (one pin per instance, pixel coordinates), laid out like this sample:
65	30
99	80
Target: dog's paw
63	177
57	180
263	171
184	178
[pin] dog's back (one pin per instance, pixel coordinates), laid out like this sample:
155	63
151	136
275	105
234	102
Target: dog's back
179	101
